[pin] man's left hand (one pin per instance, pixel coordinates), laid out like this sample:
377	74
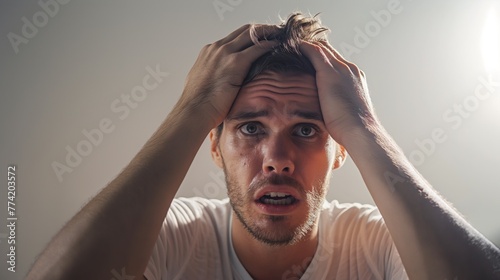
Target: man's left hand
342	89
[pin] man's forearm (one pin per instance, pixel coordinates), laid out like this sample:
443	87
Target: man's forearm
118	228
433	240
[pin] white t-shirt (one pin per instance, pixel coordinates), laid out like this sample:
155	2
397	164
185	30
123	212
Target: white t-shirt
195	243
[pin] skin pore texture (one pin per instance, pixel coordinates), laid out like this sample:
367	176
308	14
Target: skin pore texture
274	139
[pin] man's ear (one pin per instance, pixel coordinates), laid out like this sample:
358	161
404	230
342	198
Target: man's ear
214	147
340	156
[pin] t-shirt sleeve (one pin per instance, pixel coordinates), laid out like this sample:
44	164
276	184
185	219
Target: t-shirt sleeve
174	231
157	262
379	240
188	242
364	247
394	267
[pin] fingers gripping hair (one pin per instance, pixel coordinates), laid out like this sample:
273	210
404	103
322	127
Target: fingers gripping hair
286	56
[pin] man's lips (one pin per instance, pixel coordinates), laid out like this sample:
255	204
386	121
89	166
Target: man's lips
277	200
277	191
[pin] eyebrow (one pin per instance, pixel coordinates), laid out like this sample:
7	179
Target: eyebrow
308	115
246	115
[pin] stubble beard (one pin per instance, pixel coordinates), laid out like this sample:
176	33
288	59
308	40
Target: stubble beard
240	202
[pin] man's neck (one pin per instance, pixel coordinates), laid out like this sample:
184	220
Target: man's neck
263	261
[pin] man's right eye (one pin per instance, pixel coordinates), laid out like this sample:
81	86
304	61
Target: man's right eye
251	128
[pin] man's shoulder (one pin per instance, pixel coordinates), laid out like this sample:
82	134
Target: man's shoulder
198	208
336	207
201	201
351	213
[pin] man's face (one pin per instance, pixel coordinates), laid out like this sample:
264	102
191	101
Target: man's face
277	157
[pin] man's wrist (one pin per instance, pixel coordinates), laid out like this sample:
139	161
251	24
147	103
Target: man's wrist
189	115
358	134
368	141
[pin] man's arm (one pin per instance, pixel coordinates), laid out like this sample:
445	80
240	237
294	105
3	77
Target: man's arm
118	228
433	240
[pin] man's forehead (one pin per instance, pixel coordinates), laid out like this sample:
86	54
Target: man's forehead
280	86
272	93
282	83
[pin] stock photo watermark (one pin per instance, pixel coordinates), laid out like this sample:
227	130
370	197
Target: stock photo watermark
213	189
363	36
11	217
30	27
122	108
323	253
223	6
454	117
121	275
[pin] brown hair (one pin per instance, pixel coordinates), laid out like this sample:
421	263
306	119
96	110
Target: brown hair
286	56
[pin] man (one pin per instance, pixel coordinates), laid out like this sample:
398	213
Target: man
282	109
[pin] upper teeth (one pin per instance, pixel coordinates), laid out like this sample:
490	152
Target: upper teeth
277	194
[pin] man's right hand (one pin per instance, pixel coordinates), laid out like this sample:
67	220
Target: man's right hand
136	202
215	79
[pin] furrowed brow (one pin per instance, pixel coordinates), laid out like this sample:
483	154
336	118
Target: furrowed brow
245	115
308	115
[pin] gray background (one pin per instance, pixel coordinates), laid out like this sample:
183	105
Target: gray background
422	63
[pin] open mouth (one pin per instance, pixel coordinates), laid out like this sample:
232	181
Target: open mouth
277	198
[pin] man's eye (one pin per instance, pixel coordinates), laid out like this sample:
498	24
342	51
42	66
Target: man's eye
305	131
250	129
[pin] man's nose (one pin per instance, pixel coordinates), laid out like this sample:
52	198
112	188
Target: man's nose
278	155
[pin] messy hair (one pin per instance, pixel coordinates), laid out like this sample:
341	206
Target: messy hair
286	58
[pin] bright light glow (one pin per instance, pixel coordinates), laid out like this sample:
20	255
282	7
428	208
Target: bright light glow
490	43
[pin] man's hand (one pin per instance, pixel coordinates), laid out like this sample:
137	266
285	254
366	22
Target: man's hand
136	202
215	79
433	240
342	89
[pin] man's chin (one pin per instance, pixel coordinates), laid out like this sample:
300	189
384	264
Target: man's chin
274	230
274	237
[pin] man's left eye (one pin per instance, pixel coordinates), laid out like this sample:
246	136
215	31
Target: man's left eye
305	131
